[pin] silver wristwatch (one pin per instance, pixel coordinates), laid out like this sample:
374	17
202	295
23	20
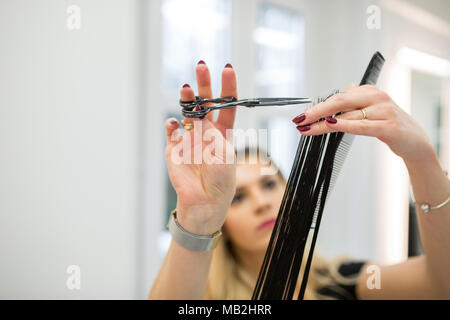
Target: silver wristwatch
189	240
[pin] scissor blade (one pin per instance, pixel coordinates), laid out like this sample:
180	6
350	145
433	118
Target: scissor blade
277	101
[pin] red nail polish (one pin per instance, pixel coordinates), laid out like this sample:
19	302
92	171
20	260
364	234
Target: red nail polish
201	62
198	107
228	66
299	118
303	128
331	120
173	121
186	85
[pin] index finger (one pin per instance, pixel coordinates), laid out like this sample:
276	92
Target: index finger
341	102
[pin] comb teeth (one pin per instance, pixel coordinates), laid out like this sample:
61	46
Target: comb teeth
316	211
339	159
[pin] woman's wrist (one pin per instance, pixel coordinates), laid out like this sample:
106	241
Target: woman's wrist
201	220
429	182
424	156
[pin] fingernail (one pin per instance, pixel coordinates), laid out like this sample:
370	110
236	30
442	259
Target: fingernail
331	120
173	121
198	107
186	85
303	128
228	66
201	62
299	118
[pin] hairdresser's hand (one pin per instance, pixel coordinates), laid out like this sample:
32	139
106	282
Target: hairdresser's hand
385	121
201	162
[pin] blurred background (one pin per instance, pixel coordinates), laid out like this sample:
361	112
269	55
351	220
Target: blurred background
85	87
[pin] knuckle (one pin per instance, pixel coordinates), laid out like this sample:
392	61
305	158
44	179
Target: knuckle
339	97
364	125
388	110
380	95
346	116
322	127
310	112
369	87
170	136
351	86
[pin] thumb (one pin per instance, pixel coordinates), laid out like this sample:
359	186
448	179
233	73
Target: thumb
172	131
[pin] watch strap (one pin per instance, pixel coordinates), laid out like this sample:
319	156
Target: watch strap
190	240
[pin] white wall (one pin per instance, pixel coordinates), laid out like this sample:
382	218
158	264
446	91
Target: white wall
68	149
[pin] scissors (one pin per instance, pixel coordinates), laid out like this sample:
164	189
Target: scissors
189	109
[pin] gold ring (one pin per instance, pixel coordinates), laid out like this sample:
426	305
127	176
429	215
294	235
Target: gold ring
187	126
364	114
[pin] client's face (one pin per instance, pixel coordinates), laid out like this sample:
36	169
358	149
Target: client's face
254	208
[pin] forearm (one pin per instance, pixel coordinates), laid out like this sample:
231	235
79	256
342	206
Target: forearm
183	274
430	185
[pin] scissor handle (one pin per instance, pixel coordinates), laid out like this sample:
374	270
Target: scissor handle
199	101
